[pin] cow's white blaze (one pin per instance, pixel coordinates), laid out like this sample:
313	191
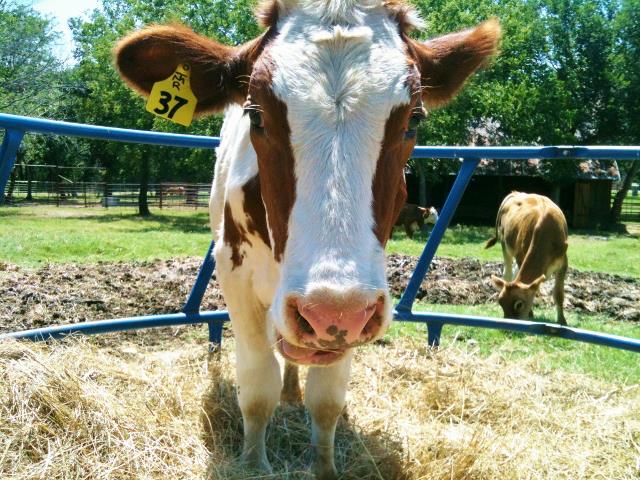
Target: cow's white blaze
340	84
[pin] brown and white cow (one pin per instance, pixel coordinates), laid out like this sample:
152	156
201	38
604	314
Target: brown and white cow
533	231
414	217
321	113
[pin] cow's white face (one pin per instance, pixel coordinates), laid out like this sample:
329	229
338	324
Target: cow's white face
334	91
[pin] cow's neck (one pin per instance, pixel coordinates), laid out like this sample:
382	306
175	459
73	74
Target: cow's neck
535	263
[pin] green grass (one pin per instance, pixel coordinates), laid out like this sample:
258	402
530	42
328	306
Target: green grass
588	251
597	361
30	236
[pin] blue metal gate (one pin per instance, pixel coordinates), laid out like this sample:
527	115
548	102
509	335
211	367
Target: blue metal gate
16	127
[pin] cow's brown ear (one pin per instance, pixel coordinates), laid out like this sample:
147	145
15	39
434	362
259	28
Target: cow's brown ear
217	71
498	282
446	62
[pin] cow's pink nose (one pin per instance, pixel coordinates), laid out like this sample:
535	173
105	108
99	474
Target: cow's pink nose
327	326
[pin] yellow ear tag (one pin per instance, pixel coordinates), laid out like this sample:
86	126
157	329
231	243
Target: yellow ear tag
172	98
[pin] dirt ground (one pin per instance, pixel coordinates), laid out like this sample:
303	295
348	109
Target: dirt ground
68	293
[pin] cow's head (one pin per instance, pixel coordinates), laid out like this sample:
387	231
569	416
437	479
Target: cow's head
429	215
515	297
333	92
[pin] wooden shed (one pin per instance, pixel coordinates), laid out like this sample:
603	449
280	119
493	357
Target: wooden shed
581	188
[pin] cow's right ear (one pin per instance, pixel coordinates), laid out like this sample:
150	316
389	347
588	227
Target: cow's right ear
218	72
498	282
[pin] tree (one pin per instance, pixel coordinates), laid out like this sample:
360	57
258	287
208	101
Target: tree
110	102
627	76
29	80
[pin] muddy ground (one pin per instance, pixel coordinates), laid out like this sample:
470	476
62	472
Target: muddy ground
56	294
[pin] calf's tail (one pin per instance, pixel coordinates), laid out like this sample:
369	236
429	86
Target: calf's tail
491	242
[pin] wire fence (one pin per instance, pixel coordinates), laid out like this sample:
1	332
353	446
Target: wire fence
108	195
631	205
169	195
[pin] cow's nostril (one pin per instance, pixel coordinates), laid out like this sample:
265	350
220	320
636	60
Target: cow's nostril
372	327
304	326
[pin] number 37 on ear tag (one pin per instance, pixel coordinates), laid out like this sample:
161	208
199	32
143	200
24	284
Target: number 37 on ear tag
172	98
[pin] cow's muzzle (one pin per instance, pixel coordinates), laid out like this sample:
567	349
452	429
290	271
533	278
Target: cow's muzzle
322	327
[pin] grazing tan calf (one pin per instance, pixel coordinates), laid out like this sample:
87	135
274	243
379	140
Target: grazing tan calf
533	231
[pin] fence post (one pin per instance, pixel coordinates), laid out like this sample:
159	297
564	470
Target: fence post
161	192
8	152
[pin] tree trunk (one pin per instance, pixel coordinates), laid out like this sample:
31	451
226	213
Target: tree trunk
29	174
422	184
143	204
12	185
616	208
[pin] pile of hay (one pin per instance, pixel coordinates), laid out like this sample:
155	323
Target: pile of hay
74	410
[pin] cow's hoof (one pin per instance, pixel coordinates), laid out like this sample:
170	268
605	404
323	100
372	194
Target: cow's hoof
260	465
324	472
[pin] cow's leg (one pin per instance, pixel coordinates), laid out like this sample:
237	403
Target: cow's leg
291	385
257	370
324	397
259	385
508	264
558	292
408	229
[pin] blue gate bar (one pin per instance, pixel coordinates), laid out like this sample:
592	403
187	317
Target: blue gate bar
192	305
523	326
8	152
194	301
153	321
449	208
118	325
16	126
55	127
524	153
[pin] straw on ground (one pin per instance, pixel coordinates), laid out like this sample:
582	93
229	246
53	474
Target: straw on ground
74	410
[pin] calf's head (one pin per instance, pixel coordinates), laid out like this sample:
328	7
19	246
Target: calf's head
333	92
430	215
516	298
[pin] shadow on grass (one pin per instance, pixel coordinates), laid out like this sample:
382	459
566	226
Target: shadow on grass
192	223
358	455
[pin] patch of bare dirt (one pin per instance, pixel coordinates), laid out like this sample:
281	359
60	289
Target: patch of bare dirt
69	293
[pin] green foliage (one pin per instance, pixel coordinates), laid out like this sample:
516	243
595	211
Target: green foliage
30	78
566	74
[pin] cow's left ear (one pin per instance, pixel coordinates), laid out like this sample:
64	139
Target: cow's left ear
218	72
446	62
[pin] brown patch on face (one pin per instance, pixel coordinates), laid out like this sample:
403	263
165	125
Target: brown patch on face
272	144
254	208
234	236
389	187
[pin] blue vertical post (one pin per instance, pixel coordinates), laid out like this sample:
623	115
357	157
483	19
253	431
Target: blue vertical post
8	152
405	304
193	303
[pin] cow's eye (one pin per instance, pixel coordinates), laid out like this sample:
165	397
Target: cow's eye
414	121
255	116
517	305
